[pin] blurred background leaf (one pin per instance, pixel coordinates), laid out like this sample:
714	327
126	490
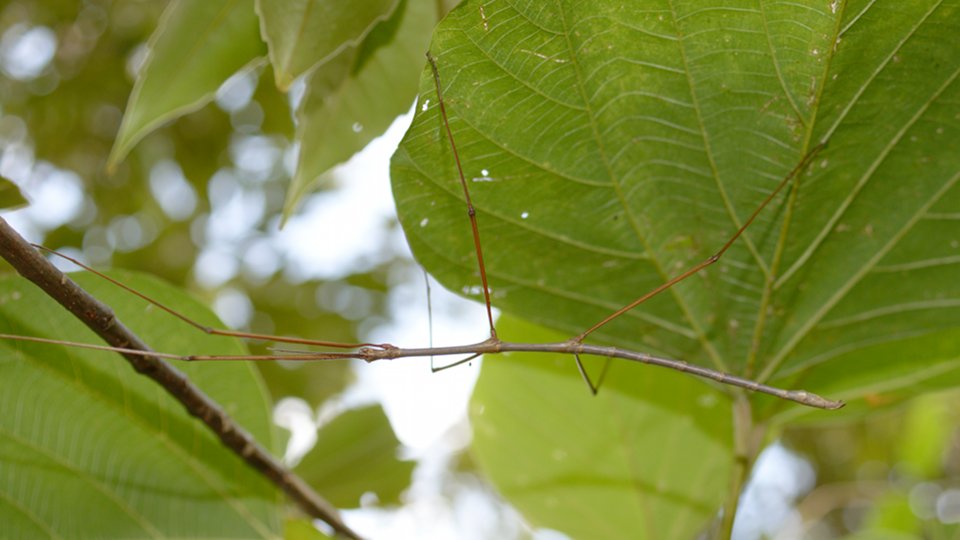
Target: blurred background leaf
357	454
301	529
345	107
195	48
10	196
649	457
302	34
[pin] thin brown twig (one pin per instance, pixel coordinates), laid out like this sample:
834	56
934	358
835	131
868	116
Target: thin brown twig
490	346
101	319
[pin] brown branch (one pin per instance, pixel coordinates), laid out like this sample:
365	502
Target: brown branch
101	319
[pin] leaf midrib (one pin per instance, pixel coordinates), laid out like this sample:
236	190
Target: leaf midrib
895	237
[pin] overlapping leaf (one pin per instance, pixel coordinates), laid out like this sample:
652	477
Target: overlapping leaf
345	105
610	146
647	458
196	47
89	447
304	33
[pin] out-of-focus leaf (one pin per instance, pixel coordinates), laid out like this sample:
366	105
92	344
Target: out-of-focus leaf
312	382
611	145
355	97
304	33
646	458
356	453
89	448
276	106
927	431
10	195
195	48
879	535
892	514
302	529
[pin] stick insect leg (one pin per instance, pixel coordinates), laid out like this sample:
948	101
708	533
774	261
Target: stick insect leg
208	329
594	388
433	367
471	211
438	369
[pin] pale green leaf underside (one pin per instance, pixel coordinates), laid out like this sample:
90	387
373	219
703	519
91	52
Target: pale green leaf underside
648	458
194	49
304	33
354	97
89	448
610	145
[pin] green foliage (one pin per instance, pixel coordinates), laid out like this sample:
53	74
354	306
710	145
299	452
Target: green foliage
10	195
196	46
303	34
356	453
609	147
648	455
301	529
90	448
348	56
345	106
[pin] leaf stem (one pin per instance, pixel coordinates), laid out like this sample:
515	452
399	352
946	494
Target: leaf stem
743	436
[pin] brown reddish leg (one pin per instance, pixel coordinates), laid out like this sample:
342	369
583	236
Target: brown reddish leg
208	329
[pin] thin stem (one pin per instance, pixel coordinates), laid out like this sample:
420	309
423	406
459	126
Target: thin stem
711	259
471	211
101	319
490	346
743	432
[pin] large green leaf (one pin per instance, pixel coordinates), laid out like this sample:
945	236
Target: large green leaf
346	107
647	458
304	33
194	49
89	448
610	145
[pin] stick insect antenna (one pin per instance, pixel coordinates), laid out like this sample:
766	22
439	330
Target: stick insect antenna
208	329
466	195
713	258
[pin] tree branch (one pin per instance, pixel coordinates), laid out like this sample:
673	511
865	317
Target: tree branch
101	319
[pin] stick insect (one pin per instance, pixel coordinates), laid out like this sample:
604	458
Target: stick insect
575	346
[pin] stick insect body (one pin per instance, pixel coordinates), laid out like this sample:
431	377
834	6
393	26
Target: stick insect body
575	346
